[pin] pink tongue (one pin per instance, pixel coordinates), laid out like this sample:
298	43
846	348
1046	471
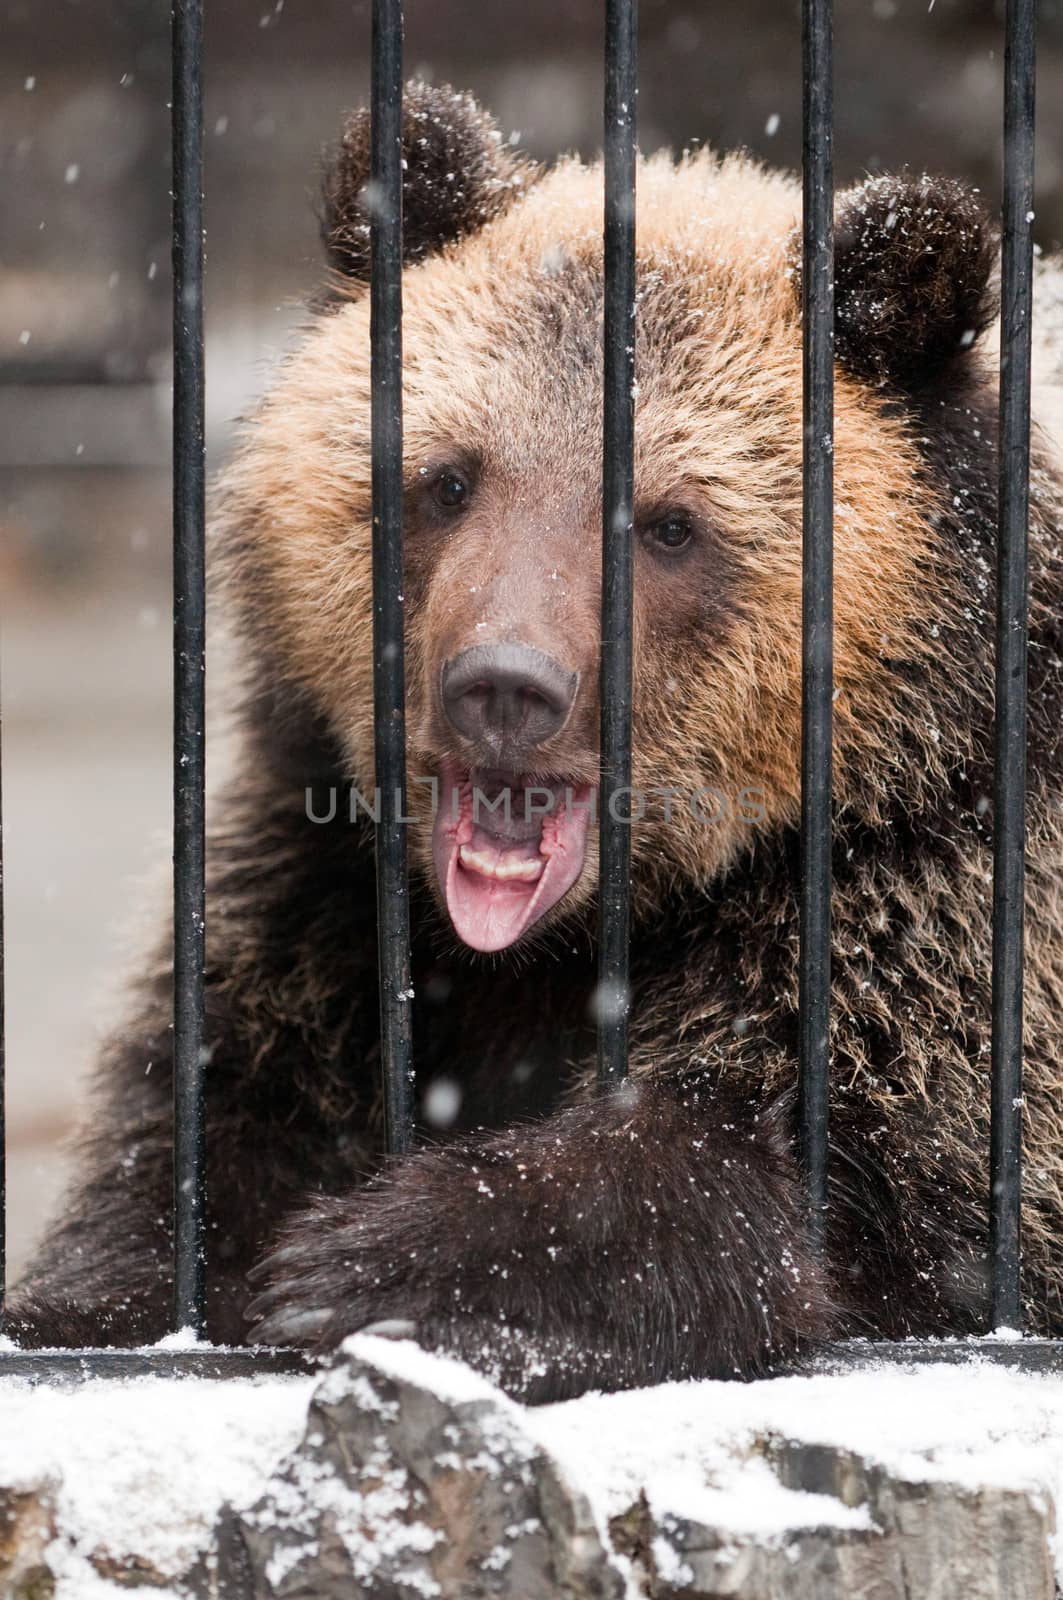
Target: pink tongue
490	913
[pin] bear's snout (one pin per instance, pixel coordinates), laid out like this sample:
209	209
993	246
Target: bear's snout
508	699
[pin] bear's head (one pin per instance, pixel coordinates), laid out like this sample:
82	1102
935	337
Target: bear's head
502	345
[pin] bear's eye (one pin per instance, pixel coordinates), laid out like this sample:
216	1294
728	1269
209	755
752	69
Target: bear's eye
450	490
673	532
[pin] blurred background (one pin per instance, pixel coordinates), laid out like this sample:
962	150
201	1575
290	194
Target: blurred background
85	360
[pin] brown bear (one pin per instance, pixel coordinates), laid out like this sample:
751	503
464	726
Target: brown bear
555	1239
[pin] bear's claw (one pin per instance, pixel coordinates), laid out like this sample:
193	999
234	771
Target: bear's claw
391	1328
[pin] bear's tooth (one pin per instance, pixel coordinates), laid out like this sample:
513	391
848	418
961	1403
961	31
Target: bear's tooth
491	866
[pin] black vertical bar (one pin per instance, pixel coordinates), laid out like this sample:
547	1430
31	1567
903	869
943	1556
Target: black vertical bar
817	598
3	1065
189	645
1009	788
389	701
618	420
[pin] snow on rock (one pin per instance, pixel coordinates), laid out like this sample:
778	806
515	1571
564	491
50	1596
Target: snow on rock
970	1425
404	1475
114	1479
417	1478
890	1483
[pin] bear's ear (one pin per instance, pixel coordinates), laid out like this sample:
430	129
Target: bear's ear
457	175
913	259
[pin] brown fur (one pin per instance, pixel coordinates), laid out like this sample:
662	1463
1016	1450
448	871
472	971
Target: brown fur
660	1233
458	176
719	339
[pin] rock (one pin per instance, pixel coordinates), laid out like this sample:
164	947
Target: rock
418	1478
905	1538
27	1527
946	1541
411	1477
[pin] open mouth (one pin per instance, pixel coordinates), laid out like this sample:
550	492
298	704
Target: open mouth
507	847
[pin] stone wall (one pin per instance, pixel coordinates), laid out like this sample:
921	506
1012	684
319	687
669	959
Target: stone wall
412	1477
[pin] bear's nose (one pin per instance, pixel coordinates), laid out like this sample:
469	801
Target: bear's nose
509	698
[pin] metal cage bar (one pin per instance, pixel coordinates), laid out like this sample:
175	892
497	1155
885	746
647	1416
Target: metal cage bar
189	663
385	197
817	291
1009	784
389	676
204	1361
618	439
3	1060
1024	1355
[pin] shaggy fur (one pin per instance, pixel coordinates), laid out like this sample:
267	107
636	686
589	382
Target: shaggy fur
914	258
659	1233
458	175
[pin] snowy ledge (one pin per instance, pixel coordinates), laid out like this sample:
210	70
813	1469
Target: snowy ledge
402	1476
